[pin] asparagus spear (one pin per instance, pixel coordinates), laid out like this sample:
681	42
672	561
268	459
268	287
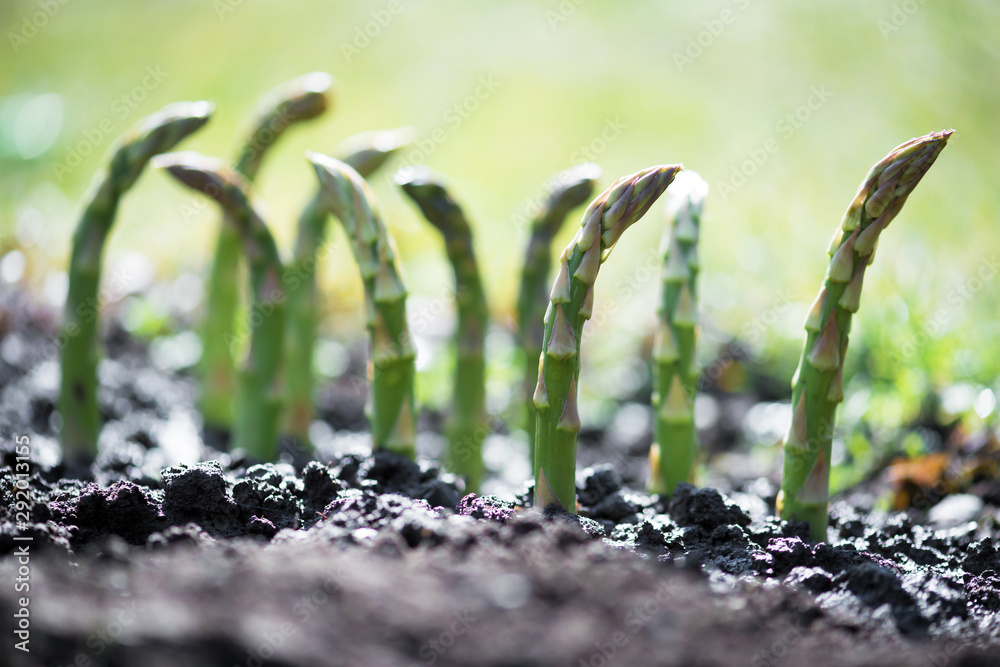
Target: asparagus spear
568	189
672	456
391	368
78	393
258	390
364	152
571	304
818	385
468	425
295	101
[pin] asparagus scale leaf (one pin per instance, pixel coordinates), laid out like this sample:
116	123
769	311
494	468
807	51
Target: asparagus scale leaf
567	190
818	384
675	374
259	388
298	100
78	392
391	367
366	153
468	426
571	303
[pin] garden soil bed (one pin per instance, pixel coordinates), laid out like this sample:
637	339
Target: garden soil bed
353	559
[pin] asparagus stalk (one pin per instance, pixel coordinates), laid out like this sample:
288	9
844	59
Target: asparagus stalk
568	189
258	391
295	101
571	304
675	375
364	152
78	392
467	425
391	368
818	384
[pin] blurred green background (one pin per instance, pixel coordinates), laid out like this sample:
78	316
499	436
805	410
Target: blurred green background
782	106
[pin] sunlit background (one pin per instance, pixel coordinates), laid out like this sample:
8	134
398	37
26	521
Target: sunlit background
781	106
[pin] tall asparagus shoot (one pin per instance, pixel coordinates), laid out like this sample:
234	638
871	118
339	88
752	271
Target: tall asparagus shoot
818	384
568	189
391	367
571	304
467	425
295	101
364	152
675	374
258	390
78	392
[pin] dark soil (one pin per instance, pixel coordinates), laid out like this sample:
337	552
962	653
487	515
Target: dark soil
353	559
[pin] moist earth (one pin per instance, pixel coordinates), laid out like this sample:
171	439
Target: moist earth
341	557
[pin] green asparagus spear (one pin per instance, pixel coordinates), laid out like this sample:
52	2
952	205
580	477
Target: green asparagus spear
818	385
364	152
391	367
295	101
258	391
672	456
571	304
467	425
566	191
78	393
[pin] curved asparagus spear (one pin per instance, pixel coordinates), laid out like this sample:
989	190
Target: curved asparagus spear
566	191
818	385
672	456
258	390
571	304
78	393
295	101
391	368
364	152
468	424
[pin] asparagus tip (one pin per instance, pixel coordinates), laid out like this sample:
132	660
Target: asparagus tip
335	176
575	185
189	116
430	193
583	175
302	98
565	191
416	179
193	169
384	141
628	199
688	189
208	175
315	82
585	171
368	151
330	171
324	164
190	158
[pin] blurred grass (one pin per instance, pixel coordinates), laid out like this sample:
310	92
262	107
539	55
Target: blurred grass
565	70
